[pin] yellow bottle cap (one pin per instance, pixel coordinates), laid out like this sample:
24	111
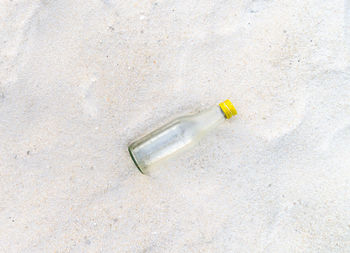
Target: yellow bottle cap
228	109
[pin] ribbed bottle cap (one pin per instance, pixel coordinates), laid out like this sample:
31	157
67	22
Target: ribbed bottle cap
228	109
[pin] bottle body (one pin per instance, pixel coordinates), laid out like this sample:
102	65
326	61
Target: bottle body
174	137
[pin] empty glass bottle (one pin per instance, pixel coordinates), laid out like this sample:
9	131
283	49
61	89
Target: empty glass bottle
177	134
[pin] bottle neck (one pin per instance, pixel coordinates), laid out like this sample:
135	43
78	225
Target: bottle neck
210	118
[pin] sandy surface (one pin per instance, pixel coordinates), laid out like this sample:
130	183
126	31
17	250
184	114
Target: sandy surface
79	80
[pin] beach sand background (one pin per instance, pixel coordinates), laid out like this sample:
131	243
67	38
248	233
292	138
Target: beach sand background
79	80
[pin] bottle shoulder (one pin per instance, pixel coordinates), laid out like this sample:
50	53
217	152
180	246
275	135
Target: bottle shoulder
183	121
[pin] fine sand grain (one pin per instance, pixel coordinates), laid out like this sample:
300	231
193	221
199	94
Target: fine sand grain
79	80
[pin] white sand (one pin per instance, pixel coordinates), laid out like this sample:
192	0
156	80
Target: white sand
79	80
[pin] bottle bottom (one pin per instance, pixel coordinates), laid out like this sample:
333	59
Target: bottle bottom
135	160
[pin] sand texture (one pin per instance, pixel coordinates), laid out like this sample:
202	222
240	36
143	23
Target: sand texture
79	80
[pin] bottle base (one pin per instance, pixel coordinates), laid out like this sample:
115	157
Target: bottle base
135	160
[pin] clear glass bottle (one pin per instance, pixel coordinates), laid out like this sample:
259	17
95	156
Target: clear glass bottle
177	134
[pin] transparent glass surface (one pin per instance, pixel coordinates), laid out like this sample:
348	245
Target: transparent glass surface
173	137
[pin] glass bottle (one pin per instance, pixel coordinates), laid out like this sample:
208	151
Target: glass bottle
177	134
